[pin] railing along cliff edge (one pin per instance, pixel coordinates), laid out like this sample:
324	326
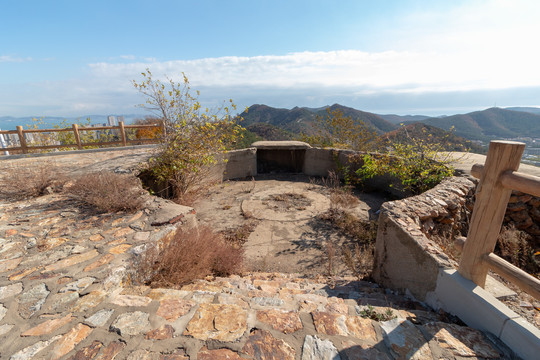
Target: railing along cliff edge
498	177
78	144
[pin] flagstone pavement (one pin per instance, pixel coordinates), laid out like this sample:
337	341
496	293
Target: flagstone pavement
66	292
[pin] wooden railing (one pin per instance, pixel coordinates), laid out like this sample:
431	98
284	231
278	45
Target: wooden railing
498	177
120	130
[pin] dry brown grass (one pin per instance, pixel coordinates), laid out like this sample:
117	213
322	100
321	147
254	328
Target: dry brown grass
239	234
358	255
515	247
190	255
108	192
22	182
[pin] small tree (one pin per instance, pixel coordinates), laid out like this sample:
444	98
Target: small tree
415	161
340	131
192	137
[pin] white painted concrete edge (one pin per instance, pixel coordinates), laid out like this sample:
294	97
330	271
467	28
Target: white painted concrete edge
481	310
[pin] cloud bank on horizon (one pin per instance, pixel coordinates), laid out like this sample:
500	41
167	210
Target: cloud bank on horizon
474	55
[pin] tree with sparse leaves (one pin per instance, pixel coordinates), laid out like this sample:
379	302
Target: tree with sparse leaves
343	132
192	136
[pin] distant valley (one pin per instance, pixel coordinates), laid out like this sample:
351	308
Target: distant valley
269	123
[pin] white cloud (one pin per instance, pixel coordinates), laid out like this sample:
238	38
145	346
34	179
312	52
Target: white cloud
9	58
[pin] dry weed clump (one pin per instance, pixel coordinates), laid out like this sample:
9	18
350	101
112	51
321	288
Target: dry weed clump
515	247
108	192
22	182
359	258
238	235
190	255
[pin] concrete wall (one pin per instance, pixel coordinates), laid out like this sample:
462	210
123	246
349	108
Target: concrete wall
408	260
235	164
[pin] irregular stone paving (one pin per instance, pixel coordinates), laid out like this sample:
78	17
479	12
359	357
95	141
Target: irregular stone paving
65	293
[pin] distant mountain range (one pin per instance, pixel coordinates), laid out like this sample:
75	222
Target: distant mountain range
284	124
491	123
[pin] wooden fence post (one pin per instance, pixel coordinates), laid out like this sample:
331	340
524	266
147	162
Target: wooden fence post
489	209
122	132
22	139
77	135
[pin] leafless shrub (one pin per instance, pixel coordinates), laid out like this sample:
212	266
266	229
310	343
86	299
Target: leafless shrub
359	260
349	225
191	254
108	192
515	246
23	182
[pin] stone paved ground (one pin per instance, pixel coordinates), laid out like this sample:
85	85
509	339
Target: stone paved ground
65	294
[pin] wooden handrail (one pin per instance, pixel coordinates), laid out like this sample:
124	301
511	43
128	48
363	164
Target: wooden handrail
24	148
498	177
514	274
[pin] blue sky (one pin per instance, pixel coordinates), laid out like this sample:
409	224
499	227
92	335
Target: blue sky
72	58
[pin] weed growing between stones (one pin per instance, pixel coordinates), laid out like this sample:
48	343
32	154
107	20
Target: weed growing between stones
369	312
108	192
22	182
190	255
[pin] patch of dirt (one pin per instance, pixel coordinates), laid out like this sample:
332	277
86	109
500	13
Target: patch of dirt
279	213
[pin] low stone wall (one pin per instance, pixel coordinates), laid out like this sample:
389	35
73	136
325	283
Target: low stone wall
405	256
524	212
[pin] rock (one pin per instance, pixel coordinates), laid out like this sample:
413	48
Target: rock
219	322
100	318
171	310
461	341
10	290
339	324
58	300
8	265
88	352
131	300
48	326
105	259
89	301
31	351
78	285
404	340
263	346
70	340
72	260
218	354
32	300
161	333
354	351
266	301
3	311
131	323
110	351
285	321
4	329
317	349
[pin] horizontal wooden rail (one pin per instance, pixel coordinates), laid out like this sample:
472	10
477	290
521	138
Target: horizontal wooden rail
514	180
75	129
513	274
498	177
